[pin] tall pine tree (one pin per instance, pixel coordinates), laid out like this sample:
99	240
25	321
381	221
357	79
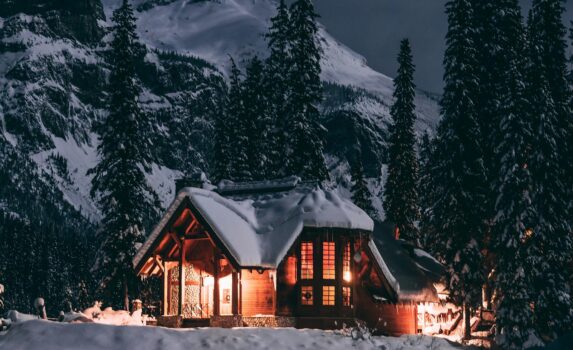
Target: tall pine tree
119	182
361	195
238	124
400	193
277	88
427	190
304	133
551	243
459	174
511	137
258	122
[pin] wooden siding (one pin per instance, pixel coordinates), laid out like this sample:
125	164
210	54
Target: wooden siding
258	293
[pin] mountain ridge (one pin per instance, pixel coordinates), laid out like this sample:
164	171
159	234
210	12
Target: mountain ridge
52	91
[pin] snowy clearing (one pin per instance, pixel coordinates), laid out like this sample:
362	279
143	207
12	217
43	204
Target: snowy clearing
51	336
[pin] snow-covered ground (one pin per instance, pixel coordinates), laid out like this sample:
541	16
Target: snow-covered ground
58	336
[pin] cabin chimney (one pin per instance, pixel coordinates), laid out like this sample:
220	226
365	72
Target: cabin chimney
198	180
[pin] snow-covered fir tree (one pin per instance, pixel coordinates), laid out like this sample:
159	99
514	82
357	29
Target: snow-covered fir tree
304	132
548	22
361	195
459	172
550	244
401	191
513	183
426	189
238	127
258	122
119	182
277	88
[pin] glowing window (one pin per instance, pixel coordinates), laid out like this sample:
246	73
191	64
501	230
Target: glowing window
307	297
306	261
328	261
328	295
346	275
346	296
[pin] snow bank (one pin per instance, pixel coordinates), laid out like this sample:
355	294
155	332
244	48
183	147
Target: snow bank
89	336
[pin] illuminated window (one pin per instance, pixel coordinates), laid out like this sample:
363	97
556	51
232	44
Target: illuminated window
306	261
346	275
328	258
346	296
328	295
307	296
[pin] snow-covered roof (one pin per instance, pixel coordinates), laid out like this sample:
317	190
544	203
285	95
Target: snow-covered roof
258	226
410	272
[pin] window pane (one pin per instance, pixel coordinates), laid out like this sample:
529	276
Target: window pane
346	275
307	296
306	261
328	295
346	296
328	265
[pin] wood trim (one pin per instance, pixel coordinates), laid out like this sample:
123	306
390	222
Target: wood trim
154	245
165	289
216	293
212	234
181	277
235	291
175	238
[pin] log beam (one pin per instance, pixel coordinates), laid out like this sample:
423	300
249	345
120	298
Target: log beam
216	296
165	289
181	276
235	291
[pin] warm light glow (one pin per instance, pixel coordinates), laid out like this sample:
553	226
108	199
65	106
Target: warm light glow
527	235
306	261
208	281
346	275
328	295
225	282
307	297
328	261
346	296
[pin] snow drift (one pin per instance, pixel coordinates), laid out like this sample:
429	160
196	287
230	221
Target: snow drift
57	336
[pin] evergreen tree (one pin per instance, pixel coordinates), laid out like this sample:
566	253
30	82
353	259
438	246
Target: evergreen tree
513	183
238	129
304	132
550	244
400	193
547	21
360	194
459	172
277	71
119	181
426	193
258	122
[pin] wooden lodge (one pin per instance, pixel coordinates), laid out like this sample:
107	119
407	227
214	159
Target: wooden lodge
281	253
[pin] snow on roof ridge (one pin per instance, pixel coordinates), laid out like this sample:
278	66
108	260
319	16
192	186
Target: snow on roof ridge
258	228
227	187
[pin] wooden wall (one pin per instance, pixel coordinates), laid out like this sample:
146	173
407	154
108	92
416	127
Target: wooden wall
386	318
257	292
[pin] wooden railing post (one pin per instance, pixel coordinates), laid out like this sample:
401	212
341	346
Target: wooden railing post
235	291
216	296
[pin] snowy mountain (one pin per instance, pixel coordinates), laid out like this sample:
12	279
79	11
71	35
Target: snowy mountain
53	68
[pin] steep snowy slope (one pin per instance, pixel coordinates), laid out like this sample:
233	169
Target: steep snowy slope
53	70
216	29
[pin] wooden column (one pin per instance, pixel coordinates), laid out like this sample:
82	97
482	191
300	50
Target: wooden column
165	289
216	296
181	276
235	291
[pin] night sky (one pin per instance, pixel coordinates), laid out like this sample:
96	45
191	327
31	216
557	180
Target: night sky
374	29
